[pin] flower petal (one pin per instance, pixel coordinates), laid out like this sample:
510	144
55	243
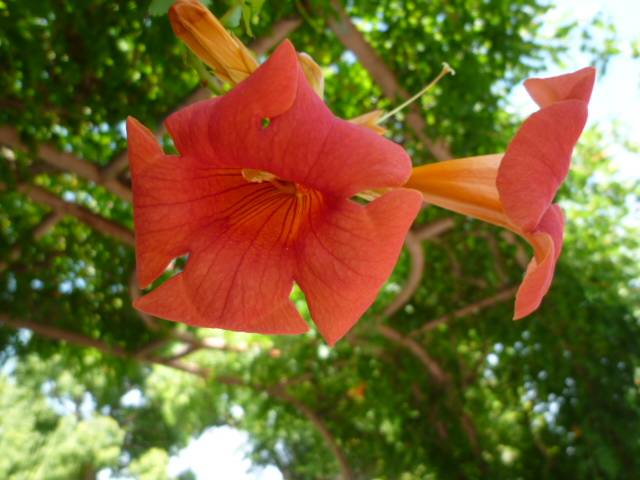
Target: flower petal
171	302
217	127
164	216
572	86
175	197
347	256
547	244
313	73
275	122
355	158
537	161
234	280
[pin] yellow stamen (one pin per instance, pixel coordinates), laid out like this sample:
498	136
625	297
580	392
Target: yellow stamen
446	69
370	120
259	176
313	72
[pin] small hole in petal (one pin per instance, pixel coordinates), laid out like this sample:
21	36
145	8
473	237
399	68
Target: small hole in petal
266	121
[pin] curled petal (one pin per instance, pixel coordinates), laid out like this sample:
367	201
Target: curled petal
467	186
347	256
218	127
547	244
354	159
537	161
572	86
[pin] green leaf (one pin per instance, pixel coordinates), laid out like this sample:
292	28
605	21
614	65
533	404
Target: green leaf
231	19
159	7
247	14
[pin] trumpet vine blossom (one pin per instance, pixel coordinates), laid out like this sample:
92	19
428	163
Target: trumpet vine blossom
259	197
514	190
260	193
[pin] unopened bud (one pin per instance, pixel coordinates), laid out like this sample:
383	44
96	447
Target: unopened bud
203	33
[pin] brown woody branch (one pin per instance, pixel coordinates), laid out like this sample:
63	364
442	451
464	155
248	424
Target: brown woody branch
277	392
101	224
320	426
66	162
353	39
414	247
434	229
436	372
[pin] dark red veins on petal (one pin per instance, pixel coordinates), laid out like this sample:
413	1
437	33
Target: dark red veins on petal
248	239
347	256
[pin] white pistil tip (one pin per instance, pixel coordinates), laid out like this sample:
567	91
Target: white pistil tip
447	68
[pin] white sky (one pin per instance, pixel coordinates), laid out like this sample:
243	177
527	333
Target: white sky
616	96
218	453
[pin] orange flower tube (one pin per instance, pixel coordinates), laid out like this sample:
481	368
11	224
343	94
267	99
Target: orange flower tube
514	190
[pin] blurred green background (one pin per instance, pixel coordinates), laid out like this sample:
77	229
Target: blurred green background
436	381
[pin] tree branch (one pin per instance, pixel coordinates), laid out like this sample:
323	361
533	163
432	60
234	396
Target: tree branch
353	39
66	162
434	229
468	310
277	392
414	247
107	227
437	373
320	426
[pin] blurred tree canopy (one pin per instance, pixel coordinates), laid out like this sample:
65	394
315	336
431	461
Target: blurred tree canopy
435	382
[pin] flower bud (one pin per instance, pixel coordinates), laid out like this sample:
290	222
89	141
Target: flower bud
203	33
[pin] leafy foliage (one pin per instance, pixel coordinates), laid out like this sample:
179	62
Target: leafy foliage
552	396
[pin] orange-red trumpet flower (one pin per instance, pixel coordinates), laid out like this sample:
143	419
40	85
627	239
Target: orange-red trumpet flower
259	197
515	189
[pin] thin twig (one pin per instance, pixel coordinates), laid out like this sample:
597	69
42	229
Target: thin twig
437	373
471	309
434	229
59	334
101	224
414	247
